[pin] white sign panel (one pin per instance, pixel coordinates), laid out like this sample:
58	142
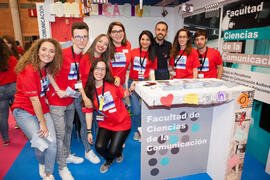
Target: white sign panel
43	22
258	81
232	47
251	59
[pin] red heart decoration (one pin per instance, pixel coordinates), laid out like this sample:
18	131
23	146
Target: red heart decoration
167	100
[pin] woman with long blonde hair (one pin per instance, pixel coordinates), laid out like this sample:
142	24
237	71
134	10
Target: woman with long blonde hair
30	106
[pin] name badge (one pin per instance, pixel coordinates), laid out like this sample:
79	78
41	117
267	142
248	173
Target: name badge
101	103
78	85
99	118
140	75
200	75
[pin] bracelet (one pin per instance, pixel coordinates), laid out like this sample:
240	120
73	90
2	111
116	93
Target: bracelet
42	120
89	131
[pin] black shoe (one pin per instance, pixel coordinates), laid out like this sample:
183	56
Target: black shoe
104	167
120	158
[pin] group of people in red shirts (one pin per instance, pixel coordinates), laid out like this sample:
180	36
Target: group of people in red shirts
53	83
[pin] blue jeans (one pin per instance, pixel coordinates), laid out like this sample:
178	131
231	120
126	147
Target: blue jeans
45	150
83	131
7	92
135	107
63	117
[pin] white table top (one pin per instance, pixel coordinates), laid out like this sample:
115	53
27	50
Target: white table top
188	91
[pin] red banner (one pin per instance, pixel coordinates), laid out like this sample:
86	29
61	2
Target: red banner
61	28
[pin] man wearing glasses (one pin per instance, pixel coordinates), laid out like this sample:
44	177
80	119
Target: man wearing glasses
64	98
210	59
162	49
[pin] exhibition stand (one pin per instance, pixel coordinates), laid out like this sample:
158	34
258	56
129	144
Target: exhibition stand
194	126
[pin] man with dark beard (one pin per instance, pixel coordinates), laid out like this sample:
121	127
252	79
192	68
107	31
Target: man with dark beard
210	59
162	48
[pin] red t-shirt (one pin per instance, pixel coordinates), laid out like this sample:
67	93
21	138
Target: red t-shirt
20	50
29	84
121	62
212	60
141	70
85	65
118	118
185	65
67	77
9	76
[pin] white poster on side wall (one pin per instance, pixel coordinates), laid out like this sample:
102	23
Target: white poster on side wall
258	81
44	27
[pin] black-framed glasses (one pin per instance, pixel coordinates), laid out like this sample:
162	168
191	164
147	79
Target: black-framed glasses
117	32
78	38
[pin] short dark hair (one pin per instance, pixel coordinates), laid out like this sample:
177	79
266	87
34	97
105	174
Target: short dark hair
200	33
162	22
79	25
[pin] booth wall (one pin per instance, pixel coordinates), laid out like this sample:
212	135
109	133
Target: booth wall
258	139
135	25
29	25
6	20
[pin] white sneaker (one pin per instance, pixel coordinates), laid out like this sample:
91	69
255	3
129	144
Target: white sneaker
74	159
92	157
41	168
65	174
137	136
51	177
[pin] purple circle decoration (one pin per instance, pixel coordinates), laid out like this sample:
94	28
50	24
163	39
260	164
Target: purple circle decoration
152	162
185	138
184	128
161	139
154	171
175	150
151	151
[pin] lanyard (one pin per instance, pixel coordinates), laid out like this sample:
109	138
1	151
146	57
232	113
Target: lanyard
45	87
175	62
142	61
100	104
76	66
202	61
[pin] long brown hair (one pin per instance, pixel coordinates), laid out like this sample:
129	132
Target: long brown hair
14	50
109	31
91	83
176	46
151	49
107	55
31	57
4	56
